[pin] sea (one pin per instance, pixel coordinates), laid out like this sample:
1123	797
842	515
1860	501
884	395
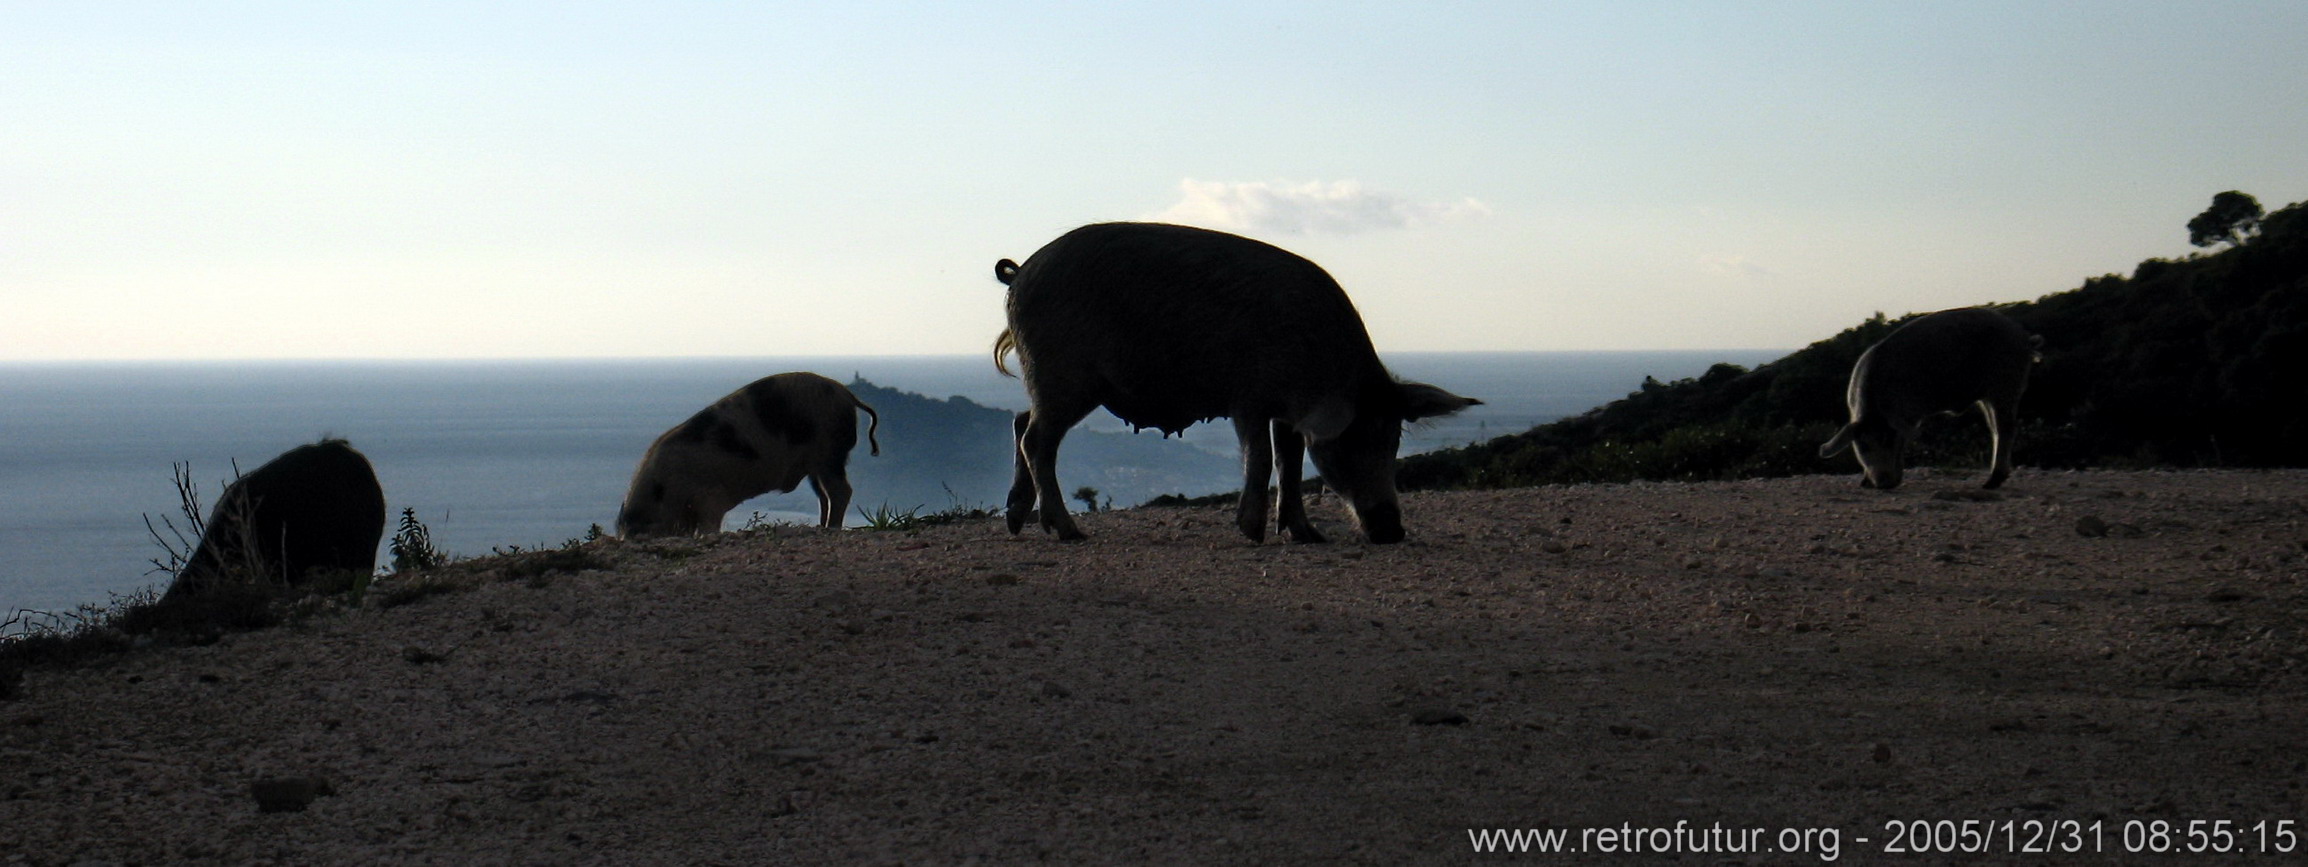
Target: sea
497	454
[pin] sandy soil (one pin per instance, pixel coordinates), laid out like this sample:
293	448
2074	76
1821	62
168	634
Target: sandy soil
2115	649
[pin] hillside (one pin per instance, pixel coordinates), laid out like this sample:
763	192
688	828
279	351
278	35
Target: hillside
2188	363
2100	647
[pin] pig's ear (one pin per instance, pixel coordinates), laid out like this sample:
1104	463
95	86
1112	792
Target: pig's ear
1841	441
1327	421
1420	400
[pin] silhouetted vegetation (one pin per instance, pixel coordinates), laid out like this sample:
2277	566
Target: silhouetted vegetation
2191	362
1225	498
2231	219
412	545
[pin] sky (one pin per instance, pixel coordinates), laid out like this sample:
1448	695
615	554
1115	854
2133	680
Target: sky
569	179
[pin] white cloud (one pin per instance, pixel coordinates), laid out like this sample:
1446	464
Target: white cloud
1311	208
1736	266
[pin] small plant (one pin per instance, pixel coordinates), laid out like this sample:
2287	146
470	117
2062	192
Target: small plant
28	636
178	545
361	582
592	534
884	517
954	514
220	577
761	520
1181	501
1089	497
235	558
956	510
412	545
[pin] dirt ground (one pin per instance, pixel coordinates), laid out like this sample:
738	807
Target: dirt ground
1797	663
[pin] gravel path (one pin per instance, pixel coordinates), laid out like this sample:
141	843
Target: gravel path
2105	648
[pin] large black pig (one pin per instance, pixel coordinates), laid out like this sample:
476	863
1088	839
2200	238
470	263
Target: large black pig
1166	326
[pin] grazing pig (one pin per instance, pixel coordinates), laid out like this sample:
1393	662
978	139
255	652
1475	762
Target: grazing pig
767	436
1941	363
1166	326
316	508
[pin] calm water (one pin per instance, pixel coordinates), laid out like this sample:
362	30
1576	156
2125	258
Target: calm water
522	452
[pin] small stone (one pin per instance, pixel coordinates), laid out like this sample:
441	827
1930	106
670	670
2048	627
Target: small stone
1053	690
415	655
1553	546
1001	579
288	794
1971	495
793	755
1438	716
1882	754
2091	527
500	760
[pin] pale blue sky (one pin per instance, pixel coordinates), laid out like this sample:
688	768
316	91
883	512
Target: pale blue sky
255	180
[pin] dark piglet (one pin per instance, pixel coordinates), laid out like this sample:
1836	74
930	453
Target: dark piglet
315	508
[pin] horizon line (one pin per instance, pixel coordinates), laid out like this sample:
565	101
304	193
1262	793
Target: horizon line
484	359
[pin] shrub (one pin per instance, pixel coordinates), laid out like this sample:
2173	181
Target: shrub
412	545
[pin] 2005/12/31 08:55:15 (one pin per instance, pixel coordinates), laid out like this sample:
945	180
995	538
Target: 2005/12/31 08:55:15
2135	836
